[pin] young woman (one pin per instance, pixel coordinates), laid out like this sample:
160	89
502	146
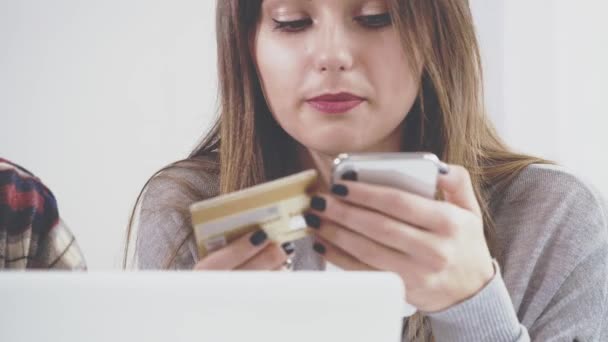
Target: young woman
516	250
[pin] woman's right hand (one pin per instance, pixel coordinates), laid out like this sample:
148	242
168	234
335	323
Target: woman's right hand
253	251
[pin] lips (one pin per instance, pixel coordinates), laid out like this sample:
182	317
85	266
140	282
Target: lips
335	103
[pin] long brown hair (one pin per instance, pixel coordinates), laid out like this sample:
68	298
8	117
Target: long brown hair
448	117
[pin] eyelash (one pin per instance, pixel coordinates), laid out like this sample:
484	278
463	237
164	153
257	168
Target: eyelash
370	21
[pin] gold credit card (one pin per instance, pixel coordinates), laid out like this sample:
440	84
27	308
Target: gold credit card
275	206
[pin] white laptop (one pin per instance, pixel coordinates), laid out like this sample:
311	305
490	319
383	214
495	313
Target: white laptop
197	306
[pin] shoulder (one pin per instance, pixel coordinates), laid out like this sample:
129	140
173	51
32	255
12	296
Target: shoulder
15	175
30	209
163	226
181	183
556	192
547	207
552	180
552	244
26	199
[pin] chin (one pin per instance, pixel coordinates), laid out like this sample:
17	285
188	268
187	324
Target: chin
334	145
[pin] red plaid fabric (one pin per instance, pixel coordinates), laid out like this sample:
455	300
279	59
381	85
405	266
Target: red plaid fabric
32	235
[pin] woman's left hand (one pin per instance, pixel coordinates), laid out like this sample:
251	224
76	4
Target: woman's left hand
437	247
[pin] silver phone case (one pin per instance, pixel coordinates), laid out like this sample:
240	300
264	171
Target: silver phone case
415	172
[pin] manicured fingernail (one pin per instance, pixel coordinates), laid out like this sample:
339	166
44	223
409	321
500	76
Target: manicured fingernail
258	238
350	175
340	190
289	248
444	168
312	220
319	248
318	203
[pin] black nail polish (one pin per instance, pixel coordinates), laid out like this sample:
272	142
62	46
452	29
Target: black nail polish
312	220
444	168
340	190
318	203
319	248
258	238
289	248
350	175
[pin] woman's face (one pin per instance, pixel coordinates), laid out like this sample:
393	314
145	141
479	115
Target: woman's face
307	49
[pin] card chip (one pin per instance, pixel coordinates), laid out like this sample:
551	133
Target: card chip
215	243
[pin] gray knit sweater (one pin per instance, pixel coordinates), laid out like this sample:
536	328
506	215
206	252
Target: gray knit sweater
552	236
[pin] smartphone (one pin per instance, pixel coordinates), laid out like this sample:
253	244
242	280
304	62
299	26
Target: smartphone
414	172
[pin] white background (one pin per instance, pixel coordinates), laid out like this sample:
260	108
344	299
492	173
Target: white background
95	96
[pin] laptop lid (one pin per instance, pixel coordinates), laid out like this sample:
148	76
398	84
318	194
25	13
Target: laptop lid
197	306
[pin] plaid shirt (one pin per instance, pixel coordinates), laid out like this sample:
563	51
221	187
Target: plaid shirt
32	234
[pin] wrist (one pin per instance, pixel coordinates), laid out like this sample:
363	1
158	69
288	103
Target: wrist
485	276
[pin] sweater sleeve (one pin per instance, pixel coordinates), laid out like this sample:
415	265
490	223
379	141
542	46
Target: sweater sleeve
554	281
163	236
487	316
576	313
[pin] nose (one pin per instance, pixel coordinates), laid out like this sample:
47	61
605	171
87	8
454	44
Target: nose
332	49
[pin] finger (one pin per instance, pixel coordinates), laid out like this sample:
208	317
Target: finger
338	257
269	258
236	253
418	243
363	249
382	225
458	189
407	207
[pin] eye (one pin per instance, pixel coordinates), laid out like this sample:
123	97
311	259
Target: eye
374	21
292	26
370	21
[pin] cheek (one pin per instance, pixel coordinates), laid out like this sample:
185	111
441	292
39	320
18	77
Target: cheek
396	85
278	66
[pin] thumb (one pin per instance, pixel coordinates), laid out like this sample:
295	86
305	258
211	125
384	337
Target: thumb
457	188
